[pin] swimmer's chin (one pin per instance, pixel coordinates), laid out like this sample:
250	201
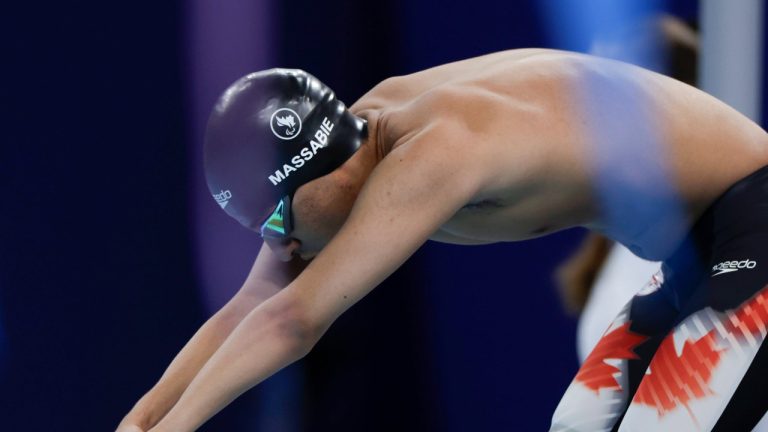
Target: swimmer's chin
307	256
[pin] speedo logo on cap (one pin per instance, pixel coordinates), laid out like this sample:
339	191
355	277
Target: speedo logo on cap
223	198
319	142
733	266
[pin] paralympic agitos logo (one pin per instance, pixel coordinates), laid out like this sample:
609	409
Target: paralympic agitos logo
320	141
285	123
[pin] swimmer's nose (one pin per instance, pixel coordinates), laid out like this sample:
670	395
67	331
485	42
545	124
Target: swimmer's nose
284	250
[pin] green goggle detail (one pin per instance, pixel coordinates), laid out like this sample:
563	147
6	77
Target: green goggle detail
278	224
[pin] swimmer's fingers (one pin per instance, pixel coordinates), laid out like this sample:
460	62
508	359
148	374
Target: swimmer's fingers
140	418
129	428
137	420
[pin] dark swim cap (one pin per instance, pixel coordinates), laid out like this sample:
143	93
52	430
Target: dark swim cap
271	132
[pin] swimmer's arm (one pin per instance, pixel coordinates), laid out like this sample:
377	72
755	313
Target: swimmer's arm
267	276
447	237
411	193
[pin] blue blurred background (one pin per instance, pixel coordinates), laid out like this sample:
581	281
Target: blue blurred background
112	252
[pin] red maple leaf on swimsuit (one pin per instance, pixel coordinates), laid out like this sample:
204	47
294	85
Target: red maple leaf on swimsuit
751	317
618	344
674	379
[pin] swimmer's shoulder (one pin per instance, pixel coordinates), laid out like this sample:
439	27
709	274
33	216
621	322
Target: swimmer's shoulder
404	105
432	88
520	64
402	89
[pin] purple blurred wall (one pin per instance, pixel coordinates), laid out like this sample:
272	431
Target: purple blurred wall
226	40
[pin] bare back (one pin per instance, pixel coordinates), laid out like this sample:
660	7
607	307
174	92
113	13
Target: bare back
533	120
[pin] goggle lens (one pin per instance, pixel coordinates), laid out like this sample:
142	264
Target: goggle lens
278	224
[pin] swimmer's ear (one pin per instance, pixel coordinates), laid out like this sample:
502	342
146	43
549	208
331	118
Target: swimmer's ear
269	274
409	195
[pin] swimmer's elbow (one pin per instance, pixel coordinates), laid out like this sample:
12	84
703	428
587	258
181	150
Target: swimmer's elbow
293	326
302	335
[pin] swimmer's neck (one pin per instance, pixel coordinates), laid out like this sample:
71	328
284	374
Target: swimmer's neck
373	141
357	168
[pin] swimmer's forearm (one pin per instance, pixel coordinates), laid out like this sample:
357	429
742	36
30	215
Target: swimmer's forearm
161	398
268	339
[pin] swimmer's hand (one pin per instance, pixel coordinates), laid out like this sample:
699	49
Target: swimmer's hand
128	427
137	420
266	278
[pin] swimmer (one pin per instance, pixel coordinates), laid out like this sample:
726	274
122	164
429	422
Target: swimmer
490	149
